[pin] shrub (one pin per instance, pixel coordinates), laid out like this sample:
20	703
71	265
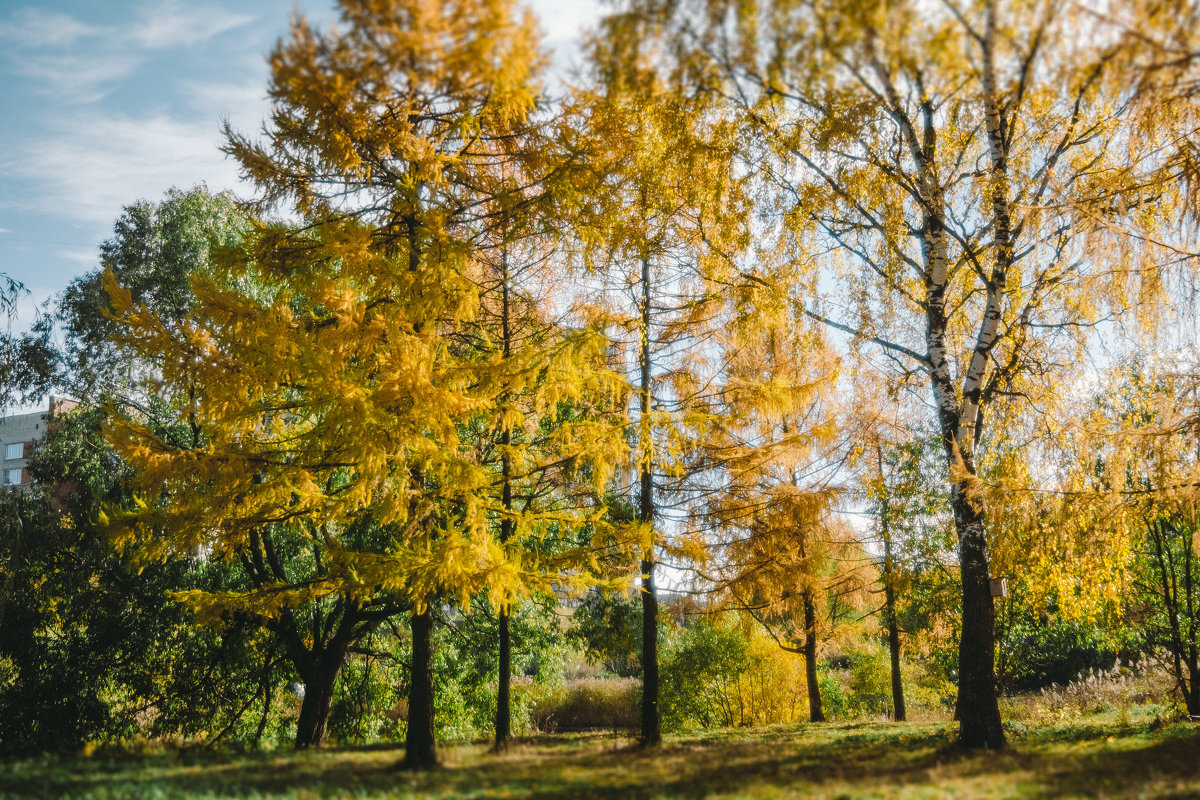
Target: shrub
773	688
588	703
1034	653
1098	691
729	673
701	667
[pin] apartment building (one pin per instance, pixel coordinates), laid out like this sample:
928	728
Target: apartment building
18	435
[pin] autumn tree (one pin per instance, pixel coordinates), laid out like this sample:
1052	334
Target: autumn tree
1136	480
653	212
961	179
340	430
774	549
556	425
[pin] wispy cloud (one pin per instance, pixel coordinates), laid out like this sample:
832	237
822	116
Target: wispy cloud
92	167
83	257
175	24
243	103
77	62
76	78
35	28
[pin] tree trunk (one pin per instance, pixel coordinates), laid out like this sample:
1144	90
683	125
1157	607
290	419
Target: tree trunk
816	712
504	665
898	711
977	707
898	708
889	594
978	710
503	701
268	695
314	708
318	660
420	746
651	721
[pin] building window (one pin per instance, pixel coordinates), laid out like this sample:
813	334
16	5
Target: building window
12	476
14	450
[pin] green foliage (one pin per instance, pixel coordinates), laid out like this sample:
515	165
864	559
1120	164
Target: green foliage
369	698
80	621
833	696
870	683
728	672
607	626
1035	651
467	673
155	251
701	665
1169	593
370	702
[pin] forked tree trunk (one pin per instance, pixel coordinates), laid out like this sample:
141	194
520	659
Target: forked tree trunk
420	745
816	711
318	661
314	708
977	709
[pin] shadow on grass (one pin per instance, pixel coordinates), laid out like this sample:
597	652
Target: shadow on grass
1157	769
875	758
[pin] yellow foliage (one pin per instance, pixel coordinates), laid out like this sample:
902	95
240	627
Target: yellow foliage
320	398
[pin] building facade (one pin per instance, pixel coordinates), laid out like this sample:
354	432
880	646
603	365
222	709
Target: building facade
19	433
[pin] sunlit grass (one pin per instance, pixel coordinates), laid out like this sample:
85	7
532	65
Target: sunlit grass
1091	757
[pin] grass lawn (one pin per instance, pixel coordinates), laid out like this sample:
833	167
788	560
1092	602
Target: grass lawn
1098	757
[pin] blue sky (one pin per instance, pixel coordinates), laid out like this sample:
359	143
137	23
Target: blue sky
103	103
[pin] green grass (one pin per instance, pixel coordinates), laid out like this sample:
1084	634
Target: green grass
1095	757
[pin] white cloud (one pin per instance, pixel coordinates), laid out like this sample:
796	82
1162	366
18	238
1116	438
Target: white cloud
83	257
5	230
80	63
35	28
174	24
76	78
91	169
